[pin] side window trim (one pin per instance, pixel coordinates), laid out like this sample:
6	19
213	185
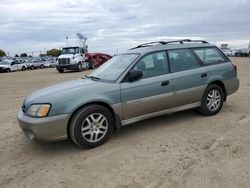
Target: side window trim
196	56
169	68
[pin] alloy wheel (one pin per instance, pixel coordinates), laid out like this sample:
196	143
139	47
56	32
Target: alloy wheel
94	127
213	100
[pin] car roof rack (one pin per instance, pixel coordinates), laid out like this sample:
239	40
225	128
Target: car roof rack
149	44
169	42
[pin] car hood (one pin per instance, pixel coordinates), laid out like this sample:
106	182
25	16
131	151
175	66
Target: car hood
4	66
43	95
65	56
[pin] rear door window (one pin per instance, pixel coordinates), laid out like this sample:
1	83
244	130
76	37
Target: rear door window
181	60
210	55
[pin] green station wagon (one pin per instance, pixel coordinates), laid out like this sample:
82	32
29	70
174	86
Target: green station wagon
149	80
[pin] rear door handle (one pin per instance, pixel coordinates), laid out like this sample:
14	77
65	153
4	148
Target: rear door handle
204	75
165	83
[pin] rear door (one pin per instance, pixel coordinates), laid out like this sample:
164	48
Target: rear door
19	65
189	77
153	92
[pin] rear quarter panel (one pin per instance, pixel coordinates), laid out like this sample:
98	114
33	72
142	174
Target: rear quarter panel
226	73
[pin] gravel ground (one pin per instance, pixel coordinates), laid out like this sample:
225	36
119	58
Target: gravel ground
180	150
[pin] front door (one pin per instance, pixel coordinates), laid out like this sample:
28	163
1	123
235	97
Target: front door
13	66
153	92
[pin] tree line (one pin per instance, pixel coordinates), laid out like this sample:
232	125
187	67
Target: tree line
52	52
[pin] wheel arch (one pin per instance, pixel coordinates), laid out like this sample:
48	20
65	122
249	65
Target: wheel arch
222	85
101	103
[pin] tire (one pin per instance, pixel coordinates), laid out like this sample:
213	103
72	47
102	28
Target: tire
8	70
212	100
85	132
80	67
60	70
41	66
32	67
23	68
91	65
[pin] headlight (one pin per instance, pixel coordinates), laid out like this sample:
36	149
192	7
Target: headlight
38	110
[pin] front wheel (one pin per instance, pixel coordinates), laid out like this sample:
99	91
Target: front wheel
23	68
91	126
60	70
80	67
212	100
41	66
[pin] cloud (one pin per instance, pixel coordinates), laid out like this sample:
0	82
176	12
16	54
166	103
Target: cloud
28	25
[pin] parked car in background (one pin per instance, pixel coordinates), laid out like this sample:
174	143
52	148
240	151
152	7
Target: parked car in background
242	52
37	63
96	59
12	65
29	64
227	52
49	62
149	80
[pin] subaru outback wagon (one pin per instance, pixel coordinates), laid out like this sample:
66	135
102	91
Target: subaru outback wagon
149	80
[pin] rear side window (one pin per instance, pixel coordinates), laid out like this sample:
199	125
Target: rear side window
210	55
181	60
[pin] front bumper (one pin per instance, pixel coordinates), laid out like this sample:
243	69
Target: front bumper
2	69
48	129
68	66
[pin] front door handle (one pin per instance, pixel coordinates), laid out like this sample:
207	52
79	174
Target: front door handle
204	75
165	83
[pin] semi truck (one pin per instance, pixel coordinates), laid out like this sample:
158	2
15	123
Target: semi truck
73	54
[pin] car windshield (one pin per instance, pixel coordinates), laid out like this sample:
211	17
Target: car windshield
71	50
112	69
5	62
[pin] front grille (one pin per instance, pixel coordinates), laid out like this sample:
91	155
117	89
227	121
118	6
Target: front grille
63	61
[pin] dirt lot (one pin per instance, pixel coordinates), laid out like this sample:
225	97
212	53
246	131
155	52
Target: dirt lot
181	150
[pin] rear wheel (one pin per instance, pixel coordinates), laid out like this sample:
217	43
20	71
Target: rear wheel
212	100
91	65
91	126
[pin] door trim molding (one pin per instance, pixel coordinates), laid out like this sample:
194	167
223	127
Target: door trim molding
163	112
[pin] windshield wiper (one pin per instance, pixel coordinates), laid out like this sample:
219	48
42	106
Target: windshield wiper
92	77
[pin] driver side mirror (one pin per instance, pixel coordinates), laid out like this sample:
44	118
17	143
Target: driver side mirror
135	75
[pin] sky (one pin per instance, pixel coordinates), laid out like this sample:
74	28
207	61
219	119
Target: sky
38	25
